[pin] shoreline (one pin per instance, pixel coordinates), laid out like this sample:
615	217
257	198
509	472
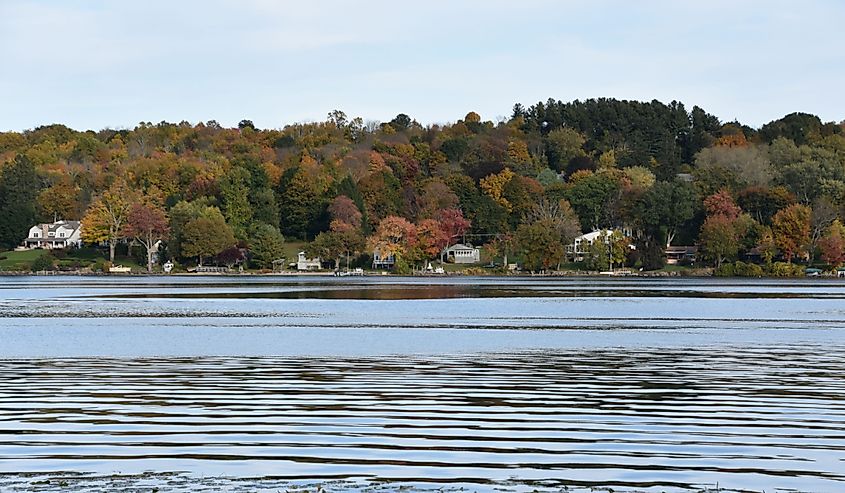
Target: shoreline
702	274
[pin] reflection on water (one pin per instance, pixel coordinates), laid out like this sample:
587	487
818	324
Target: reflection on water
655	393
620	418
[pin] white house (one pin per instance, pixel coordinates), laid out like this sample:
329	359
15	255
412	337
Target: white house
60	234
463	254
581	246
305	263
383	261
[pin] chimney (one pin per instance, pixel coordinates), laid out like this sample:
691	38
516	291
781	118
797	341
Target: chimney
45	228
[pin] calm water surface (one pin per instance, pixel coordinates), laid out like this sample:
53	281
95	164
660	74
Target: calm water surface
266	384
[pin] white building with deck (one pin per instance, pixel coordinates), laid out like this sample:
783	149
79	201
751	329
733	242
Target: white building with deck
305	263
578	249
463	254
381	261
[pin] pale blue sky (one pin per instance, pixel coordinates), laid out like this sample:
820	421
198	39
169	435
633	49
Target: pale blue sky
95	64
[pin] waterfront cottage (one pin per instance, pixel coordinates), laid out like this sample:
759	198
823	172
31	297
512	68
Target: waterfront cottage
681	254
463	254
305	263
581	245
383	261
60	234
577	250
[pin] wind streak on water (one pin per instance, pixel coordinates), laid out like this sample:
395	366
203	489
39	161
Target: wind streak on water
647	418
239	384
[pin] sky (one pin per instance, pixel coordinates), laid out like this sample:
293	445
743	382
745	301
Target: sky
93	64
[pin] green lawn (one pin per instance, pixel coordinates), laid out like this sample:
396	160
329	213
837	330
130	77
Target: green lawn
450	268
675	268
18	260
73	259
292	248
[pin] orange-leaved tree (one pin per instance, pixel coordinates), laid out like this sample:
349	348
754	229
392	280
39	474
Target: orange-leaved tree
791	230
394	237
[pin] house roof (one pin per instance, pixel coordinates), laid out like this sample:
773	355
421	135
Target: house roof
72	225
53	227
681	249
592	235
460	246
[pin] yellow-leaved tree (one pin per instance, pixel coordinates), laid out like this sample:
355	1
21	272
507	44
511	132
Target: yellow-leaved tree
791	229
105	218
494	186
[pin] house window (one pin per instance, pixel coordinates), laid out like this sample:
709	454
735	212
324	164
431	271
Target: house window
61	235
35	235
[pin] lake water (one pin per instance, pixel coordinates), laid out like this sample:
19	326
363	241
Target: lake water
514	384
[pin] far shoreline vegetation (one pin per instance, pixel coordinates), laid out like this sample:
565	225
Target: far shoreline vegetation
596	186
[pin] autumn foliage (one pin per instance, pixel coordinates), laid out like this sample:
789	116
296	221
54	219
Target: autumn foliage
347	187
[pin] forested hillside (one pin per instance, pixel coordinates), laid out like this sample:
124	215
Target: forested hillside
527	185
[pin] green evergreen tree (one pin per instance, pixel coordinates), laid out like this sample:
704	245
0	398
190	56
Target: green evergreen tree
19	188
266	244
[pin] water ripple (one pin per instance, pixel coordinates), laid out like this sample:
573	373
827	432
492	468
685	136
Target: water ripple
644	419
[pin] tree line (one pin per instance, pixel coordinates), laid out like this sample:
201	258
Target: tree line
525	186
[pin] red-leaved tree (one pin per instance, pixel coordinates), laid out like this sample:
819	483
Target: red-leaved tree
147	224
343	209
431	239
722	204
453	223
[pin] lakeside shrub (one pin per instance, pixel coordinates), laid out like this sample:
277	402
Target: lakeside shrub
401	267
783	269
73	264
725	270
43	262
739	269
743	269
101	265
